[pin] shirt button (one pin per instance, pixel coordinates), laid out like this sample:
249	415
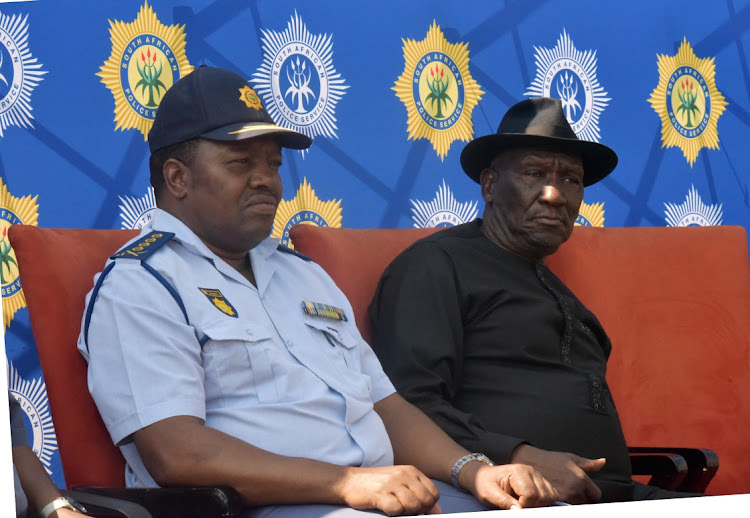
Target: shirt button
249	332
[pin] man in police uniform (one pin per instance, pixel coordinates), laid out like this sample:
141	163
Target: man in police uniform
218	357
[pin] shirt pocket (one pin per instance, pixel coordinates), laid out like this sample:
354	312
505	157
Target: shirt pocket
237	364
339	339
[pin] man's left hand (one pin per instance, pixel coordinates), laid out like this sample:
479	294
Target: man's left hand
509	486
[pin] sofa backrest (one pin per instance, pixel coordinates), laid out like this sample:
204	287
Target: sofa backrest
57	268
674	301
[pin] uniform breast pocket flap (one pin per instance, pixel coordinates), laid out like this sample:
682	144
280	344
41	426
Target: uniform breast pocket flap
236	360
224	331
336	333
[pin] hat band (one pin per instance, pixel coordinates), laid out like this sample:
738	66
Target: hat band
259	127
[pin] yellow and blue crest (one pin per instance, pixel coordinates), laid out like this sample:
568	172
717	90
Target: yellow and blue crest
147	59
590	215
438	90
250	98
688	102
307	209
219	301
15	211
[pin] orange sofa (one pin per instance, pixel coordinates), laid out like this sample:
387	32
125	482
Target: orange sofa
674	301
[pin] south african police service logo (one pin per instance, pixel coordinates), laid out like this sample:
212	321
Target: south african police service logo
693	212
688	102
137	212
443	211
590	215
32	397
297	81
147	59
219	301
437	90
13	211
306	209
19	73
565	73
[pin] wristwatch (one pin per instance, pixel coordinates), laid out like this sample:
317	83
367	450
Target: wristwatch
481	457
62	502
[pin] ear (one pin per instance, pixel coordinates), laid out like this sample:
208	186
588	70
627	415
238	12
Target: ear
487	180
176	178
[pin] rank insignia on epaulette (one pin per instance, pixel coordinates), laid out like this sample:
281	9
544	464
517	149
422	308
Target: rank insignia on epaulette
144	246
323	310
219	301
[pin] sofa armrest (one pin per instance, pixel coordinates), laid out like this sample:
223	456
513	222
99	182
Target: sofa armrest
96	504
175	502
702	465
667	470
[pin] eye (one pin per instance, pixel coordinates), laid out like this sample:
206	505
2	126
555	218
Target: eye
237	159
533	173
572	180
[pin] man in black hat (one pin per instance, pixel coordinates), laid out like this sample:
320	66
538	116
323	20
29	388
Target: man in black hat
472	327
218	357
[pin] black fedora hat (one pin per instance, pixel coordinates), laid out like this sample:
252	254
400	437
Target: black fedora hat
540	123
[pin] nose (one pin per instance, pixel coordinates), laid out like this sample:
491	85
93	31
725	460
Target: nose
261	175
553	195
264	174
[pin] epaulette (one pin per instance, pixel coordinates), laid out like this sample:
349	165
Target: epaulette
287	250
145	246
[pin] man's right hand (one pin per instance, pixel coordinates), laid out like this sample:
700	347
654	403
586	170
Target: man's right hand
395	490
568	473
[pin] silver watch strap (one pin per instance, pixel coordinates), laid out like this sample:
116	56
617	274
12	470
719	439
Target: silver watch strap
460	463
61	503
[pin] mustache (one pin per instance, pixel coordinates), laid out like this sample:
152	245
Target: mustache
263	195
562	216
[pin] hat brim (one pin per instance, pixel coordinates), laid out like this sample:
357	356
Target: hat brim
598	159
243	130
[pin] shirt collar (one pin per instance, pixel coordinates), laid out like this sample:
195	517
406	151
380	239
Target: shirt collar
166	222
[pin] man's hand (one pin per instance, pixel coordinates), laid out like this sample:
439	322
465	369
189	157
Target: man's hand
510	486
567	472
65	513
395	490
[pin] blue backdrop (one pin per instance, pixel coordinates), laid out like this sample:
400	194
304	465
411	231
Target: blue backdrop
390	91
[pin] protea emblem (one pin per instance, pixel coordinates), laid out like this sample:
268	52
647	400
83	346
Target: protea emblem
13	211
438	85
437	90
688	102
147	59
6	260
150	72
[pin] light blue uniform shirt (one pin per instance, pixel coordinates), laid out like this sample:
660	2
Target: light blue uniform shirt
259	369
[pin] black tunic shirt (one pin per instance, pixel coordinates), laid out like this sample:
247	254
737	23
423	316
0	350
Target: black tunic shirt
498	352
